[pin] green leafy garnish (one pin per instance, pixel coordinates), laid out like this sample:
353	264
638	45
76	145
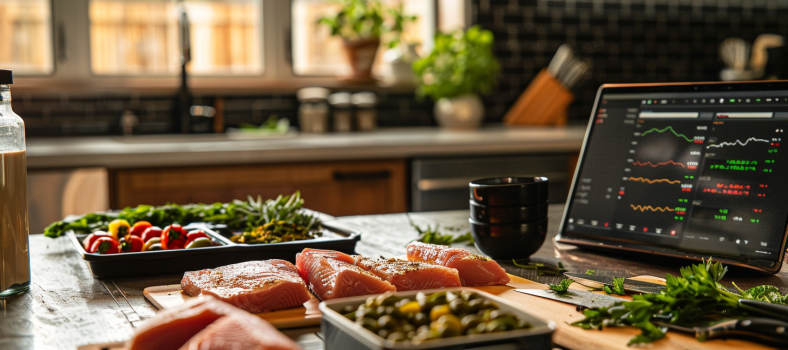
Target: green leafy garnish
591	272
432	235
541	269
691	299
561	287
237	215
618	286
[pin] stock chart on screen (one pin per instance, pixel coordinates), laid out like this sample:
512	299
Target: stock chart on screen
700	172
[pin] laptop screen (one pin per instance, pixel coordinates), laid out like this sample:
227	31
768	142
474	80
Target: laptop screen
693	171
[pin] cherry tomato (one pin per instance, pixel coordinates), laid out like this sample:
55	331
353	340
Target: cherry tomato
192	235
139	227
131	244
173	237
151	232
88	242
105	245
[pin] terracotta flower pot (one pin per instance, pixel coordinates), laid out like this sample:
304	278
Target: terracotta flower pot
360	55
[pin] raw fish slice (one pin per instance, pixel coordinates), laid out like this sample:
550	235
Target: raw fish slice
330	278
171	328
303	257
239	331
410	275
255	286
474	270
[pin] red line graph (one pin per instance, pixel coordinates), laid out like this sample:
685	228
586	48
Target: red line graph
639	163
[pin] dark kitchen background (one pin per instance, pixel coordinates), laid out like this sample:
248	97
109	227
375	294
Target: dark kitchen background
627	41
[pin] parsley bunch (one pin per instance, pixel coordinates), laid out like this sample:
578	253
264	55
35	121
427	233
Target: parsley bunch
694	297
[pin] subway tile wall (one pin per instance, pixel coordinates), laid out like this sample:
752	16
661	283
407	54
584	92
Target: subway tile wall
628	41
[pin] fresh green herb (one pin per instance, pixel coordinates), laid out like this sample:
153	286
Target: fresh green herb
561	287
591	272
541	269
237	215
618	287
460	63
357	19
432	235
694	297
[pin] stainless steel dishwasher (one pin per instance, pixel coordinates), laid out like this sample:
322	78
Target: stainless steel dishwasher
442	183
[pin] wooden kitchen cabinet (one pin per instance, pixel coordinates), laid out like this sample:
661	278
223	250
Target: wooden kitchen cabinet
335	188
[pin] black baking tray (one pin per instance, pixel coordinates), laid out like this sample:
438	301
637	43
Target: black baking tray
335	236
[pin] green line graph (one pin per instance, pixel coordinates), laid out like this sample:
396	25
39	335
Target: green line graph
660	131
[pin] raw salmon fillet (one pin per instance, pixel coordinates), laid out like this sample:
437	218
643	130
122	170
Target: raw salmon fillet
237	331
255	286
330	275
474	270
174	327
410	275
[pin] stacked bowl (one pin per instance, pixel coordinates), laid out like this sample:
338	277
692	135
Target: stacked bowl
509	215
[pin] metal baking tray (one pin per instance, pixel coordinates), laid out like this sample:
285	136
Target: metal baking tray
335	236
342	333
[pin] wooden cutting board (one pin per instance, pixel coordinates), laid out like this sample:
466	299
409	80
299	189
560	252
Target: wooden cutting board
565	335
308	315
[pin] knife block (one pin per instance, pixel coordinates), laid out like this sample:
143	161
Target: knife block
544	103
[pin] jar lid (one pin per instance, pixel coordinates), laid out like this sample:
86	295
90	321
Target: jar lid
6	77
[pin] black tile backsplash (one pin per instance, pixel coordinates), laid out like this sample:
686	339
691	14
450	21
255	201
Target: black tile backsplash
628	41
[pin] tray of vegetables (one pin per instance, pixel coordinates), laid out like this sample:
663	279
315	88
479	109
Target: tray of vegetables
172	239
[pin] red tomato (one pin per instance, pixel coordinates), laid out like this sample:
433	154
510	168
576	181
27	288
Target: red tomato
105	245
139	227
131	244
88	242
192	235
173	237
151	232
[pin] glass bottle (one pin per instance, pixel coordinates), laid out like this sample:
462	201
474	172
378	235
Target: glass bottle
14	254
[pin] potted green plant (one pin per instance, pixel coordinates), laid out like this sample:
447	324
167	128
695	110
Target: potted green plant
360	24
460	67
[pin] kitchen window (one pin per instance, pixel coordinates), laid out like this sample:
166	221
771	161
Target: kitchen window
141	37
26	32
316	52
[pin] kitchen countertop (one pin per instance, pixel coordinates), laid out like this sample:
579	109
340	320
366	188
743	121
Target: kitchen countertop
66	307
215	149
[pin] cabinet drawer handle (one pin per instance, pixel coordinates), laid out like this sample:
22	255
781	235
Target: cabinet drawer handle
361	175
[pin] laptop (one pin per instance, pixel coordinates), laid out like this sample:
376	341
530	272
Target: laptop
689	170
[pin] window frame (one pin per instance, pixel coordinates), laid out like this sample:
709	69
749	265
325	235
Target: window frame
72	73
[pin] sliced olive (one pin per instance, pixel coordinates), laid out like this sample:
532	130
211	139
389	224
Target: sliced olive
459	306
370	324
451	296
470	322
387	322
501	324
384	333
468	295
397	336
407	328
475	305
387	299
421	319
351	316
451	322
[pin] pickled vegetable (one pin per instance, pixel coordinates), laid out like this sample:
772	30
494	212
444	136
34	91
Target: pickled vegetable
431	316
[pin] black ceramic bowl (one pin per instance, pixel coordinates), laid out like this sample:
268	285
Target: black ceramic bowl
507	214
509	241
517	191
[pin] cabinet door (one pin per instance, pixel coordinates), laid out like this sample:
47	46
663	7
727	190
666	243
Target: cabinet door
335	188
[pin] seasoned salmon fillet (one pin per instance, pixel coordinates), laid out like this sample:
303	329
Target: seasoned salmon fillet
255	286
330	275
410	275
474	270
185	325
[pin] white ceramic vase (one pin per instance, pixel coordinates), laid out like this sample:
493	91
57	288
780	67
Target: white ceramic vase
461	112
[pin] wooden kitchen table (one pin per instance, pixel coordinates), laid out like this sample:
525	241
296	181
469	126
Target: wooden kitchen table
66	307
